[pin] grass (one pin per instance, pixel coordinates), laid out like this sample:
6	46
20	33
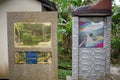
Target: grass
64	65
64	69
63	73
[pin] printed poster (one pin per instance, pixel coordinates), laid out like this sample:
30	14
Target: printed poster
91	34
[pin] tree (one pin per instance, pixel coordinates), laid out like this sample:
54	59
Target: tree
65	7
115	52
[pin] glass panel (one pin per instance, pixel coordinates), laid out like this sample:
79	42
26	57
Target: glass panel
32	57
20	57
44	57
91	33
32	34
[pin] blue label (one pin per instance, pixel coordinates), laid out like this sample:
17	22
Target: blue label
31	61
31	54
31	57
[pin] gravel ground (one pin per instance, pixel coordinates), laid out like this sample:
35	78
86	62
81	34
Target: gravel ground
115	72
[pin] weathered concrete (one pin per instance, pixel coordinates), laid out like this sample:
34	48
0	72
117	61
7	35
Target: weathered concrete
39	71
75	48
11	6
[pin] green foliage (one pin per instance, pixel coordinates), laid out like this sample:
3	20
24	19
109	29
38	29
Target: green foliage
115	52
27	39
68	28
65	7
62	74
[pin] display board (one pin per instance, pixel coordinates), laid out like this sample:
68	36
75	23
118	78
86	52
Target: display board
91	48
32	45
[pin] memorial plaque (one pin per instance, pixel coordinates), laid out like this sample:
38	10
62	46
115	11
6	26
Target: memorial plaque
91	41
32	45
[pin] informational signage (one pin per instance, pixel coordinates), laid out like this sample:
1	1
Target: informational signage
31	61
31	58
31	54
32	42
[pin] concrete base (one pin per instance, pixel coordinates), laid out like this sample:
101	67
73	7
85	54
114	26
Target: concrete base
68	77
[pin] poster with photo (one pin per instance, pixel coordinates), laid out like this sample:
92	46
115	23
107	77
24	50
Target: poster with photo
91	34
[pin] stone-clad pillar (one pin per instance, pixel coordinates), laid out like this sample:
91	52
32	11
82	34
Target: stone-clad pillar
89	62
94	62
108	43
75	48
91	41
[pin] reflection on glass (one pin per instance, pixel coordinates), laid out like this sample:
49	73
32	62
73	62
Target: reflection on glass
32	57
20	58
91	33
44	57
32	34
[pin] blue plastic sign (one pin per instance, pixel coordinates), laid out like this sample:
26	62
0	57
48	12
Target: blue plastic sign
31	61
31	57
31	54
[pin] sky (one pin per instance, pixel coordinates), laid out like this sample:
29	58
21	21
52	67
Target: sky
117	2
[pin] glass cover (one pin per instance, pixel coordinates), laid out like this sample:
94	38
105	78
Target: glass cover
20	57
32	57
91	33
32	34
